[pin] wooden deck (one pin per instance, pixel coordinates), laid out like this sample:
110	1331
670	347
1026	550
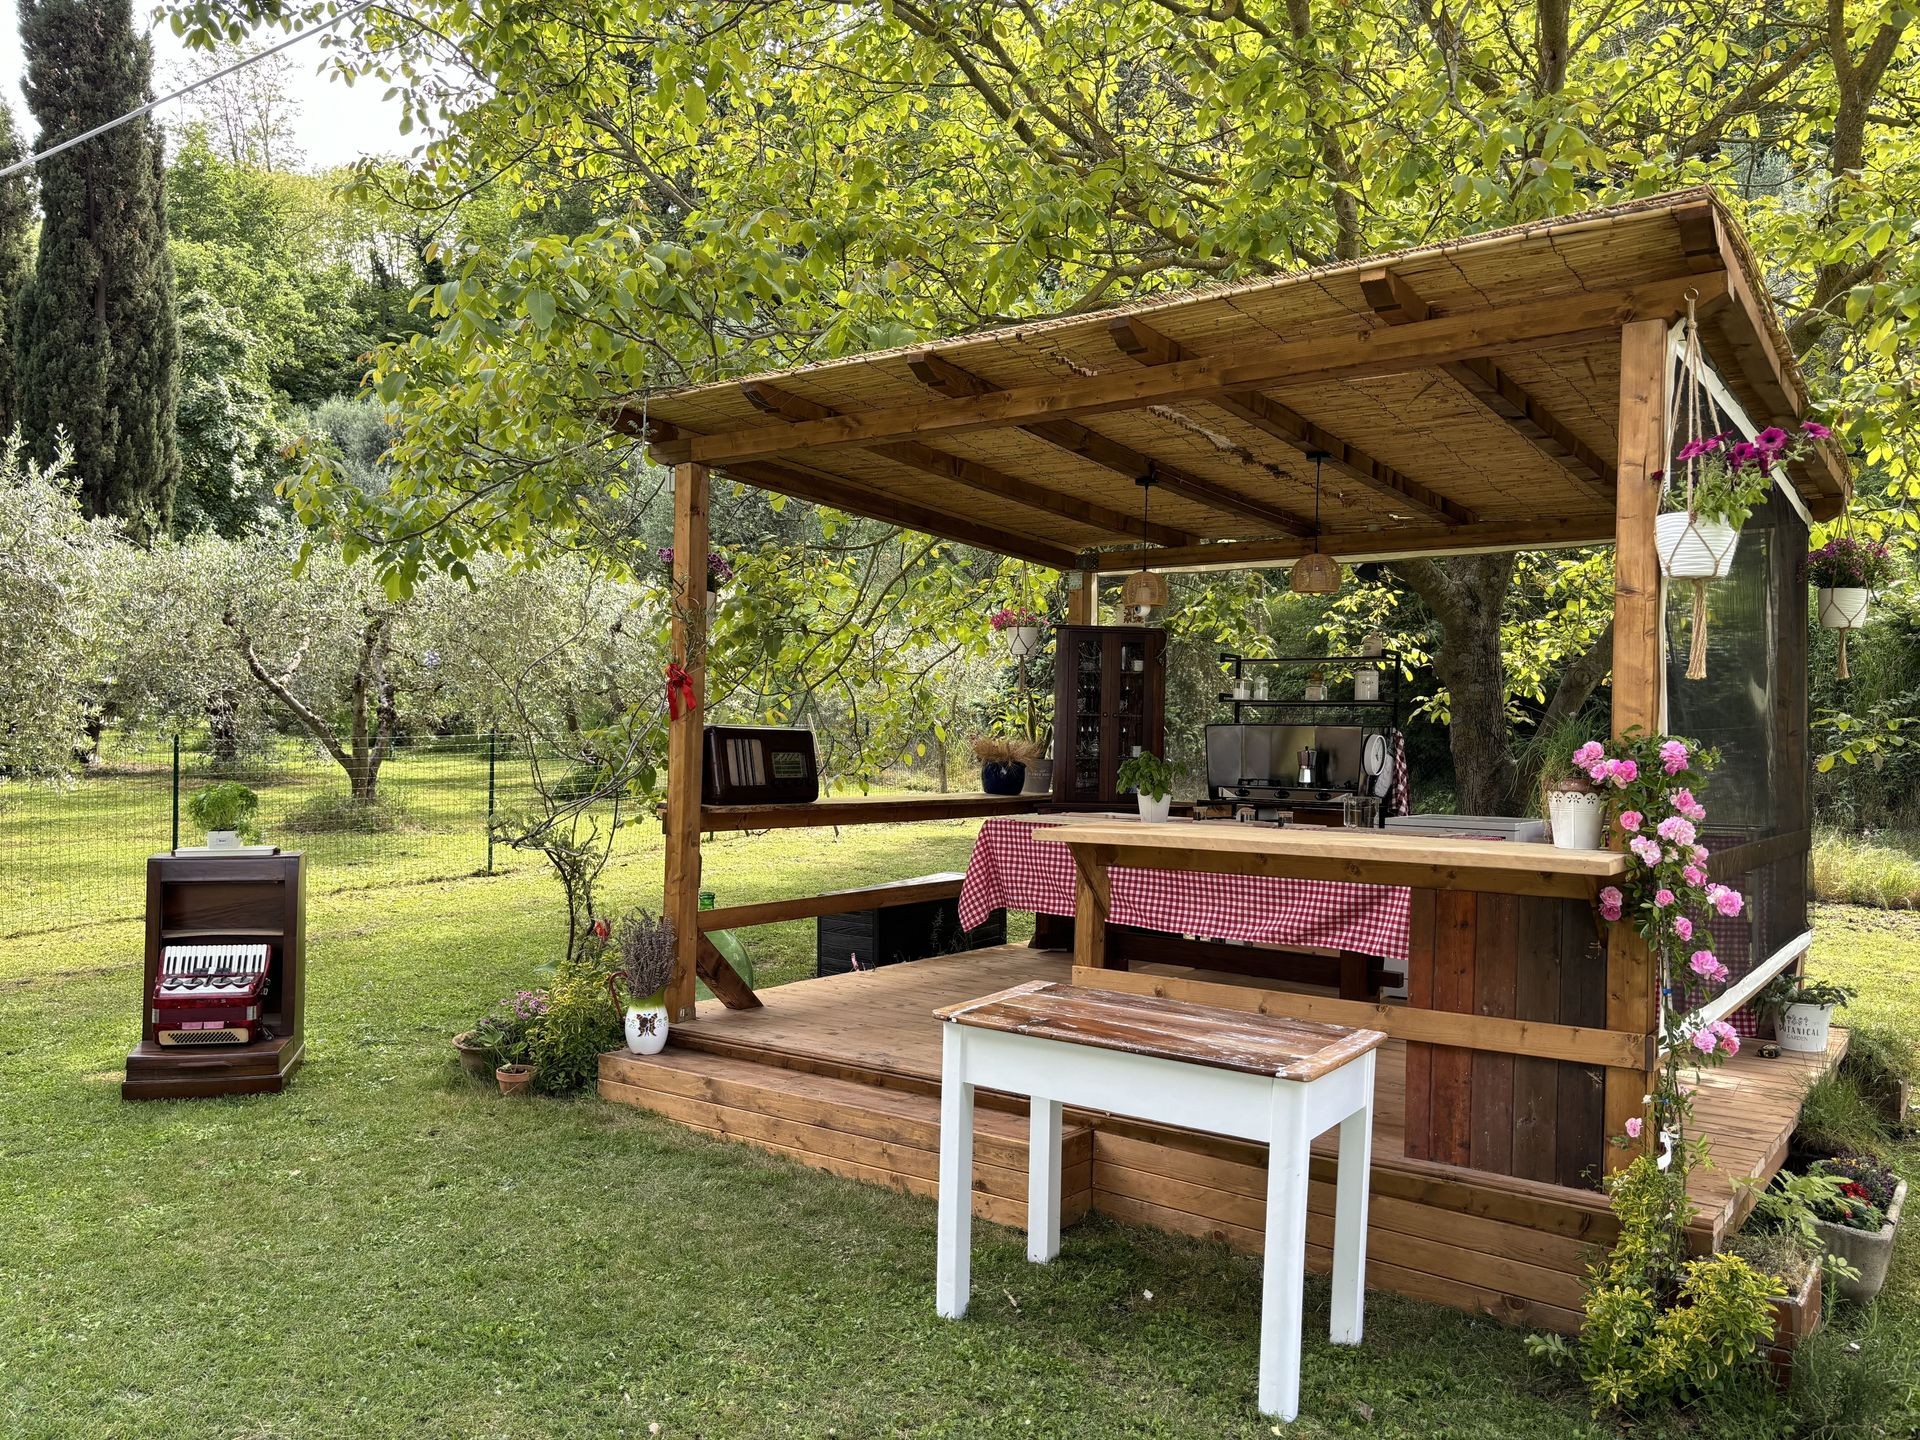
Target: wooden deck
843	1073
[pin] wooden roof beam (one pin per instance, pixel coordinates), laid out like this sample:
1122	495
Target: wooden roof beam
1134	337
1383	544
1394	300
1590	317
972	475
940	374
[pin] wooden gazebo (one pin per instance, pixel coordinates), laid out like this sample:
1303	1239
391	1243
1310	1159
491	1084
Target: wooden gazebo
1507	391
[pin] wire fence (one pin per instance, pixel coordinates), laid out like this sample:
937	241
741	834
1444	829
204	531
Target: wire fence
75	852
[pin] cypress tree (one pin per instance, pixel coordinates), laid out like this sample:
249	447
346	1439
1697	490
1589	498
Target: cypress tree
95	347
16	255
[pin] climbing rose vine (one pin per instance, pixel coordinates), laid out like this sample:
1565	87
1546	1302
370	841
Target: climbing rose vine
1652	783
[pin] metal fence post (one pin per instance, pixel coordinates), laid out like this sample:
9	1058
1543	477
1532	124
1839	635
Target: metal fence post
493	736
176	790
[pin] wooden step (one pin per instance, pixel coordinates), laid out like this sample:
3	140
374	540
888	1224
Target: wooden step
850	1127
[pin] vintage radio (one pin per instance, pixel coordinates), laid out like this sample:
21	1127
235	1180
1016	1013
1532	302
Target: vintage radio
758	765
210	994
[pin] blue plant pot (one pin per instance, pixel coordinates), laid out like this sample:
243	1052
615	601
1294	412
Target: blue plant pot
1003	777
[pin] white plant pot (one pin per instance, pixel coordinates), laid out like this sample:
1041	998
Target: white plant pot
1693	549
1844	608
223	839
1576	817
1023	640
1803	1029
646	1029
1154	812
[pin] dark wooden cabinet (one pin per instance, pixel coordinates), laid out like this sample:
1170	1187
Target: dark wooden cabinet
198	898
1110	689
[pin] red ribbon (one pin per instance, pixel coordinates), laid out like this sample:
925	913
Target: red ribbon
680	696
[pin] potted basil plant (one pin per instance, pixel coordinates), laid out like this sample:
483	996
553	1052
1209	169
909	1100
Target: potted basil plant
226	812
1151	780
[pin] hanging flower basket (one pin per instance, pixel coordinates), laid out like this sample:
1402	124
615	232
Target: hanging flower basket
1845	572
1020	629
1693	547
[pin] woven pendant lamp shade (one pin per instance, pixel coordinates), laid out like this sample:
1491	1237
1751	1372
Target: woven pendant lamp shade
1144	590
1315	574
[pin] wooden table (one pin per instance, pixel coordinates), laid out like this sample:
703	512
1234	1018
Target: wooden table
1226	1072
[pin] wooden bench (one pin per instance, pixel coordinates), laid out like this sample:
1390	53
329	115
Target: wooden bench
1256	1077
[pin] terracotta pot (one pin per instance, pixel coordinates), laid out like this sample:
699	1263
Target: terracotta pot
476	1060
514	1079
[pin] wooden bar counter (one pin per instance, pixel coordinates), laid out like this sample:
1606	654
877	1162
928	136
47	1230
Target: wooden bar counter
1508	1046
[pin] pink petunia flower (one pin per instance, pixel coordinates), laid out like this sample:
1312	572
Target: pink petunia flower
1816	429
1610	902
1663	897
1771	438
1673	756
1630	820
1633	1128
1683	927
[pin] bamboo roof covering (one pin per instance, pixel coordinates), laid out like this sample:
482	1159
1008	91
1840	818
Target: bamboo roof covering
1460	396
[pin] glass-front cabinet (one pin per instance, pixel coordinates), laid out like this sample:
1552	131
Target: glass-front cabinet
1109	703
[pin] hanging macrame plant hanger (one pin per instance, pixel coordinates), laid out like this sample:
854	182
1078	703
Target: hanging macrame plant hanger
1691	394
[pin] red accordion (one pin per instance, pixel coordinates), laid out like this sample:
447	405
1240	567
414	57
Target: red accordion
210	994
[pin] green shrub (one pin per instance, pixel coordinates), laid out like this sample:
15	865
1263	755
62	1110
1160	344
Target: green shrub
580	1024
226	806
1661	1328
344	815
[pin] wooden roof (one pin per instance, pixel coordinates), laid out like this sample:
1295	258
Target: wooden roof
1465	396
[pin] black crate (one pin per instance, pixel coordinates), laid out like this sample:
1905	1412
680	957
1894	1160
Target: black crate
893	933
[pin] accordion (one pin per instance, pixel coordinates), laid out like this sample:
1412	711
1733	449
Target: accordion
210	994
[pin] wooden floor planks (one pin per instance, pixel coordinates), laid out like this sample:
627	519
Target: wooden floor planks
843	1073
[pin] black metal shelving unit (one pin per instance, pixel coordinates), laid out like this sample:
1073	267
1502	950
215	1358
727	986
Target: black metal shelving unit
1389	685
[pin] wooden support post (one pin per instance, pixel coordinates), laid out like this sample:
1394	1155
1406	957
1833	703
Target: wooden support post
1639	680
688	650
1090	909
1083	603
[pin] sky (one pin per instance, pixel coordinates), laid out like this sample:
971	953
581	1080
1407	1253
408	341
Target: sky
335	125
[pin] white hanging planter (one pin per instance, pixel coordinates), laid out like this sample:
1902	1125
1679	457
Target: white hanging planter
1692	548
1022	640
1844	608
1154	812
1576	817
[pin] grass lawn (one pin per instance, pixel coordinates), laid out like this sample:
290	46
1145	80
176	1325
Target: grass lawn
386	1250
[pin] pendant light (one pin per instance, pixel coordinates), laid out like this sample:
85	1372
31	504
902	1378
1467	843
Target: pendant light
1144	591
1314	573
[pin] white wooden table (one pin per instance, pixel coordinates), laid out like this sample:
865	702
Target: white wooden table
1227	1072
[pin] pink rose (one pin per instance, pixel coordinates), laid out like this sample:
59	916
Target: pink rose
1625	772
1663	897
1646	848
1600	772
1704	1040
1676	828
1683	801
1630	820
1633	1128
1683	927
1705	964
1694	875
1700	855
1610	902
1728	902
1589	754
1728	1037
1673	756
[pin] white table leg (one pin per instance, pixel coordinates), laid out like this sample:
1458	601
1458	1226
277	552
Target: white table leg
1043	1181
1350	1220
1283	1282
952	1280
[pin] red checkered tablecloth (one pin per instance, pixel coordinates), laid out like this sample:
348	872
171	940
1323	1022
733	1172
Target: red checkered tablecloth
1010	869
